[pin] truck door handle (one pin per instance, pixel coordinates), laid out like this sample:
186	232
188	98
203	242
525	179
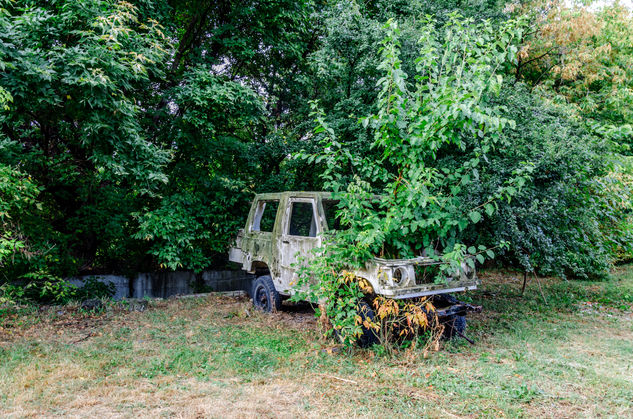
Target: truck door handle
285	241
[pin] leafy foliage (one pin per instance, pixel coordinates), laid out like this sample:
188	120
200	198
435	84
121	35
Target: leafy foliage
75	126
17	195
587	58
132	135
560	222
424	206
404	203
118	127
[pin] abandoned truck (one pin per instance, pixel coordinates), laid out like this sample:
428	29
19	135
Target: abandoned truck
283	227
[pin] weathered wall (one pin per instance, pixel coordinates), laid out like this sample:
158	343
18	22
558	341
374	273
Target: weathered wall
166	284
121	283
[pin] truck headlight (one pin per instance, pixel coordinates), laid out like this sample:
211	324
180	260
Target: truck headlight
468	271
399	276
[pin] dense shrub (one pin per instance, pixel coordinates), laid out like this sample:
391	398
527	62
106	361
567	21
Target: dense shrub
561	222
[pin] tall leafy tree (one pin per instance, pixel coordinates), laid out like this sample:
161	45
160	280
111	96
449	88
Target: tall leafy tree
80	75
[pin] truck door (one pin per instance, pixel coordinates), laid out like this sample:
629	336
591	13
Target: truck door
300	233
257	242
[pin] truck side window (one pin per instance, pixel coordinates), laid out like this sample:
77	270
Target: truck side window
330	208
302	222
265	214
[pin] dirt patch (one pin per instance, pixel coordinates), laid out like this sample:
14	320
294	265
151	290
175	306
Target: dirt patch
71	324
54	324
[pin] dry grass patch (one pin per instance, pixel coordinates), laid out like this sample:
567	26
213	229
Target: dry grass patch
217	357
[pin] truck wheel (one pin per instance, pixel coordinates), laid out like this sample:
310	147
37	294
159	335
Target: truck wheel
454	326
265	296
368	336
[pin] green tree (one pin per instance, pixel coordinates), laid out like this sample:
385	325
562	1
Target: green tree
410	200
145	126
80	75
567	219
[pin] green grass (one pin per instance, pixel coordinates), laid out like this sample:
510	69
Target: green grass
564	352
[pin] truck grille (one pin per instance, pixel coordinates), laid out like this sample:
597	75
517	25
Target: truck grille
426	274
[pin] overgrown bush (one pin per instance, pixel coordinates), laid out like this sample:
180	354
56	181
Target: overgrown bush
404	201
567	220
42	288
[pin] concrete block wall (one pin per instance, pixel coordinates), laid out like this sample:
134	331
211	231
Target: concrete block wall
162	284
166	284
228	281
121	283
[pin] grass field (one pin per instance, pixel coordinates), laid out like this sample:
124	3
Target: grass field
565	349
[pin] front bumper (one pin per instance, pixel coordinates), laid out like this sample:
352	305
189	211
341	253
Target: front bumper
449	306
430	289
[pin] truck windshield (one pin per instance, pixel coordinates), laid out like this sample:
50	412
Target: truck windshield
265	214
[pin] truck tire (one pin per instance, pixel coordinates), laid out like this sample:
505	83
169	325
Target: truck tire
454	326
368	336
265	296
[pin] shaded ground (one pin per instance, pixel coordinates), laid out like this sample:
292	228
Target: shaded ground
216	357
